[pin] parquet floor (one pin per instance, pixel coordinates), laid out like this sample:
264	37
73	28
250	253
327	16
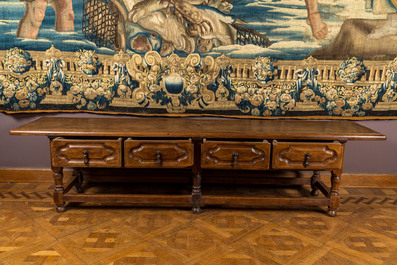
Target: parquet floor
32	232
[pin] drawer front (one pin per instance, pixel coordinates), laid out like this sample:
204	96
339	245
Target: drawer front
235	155
311	156
158	154
86	153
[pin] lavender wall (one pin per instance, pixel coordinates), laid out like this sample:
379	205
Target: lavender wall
33	151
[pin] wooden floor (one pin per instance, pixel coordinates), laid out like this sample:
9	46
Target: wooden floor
31	232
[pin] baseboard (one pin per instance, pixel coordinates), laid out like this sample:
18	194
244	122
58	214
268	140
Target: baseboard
34	175
363	180
29	175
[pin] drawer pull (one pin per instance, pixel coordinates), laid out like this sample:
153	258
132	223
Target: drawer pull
235	157
306	162
86	159
159	156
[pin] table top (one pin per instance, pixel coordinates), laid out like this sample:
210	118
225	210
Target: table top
203	128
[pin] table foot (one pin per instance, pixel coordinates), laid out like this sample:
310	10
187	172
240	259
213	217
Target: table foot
196	202
59	189
331	213
196	193
61	209
196	210
334	198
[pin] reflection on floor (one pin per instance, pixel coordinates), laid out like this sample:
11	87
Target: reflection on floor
32	232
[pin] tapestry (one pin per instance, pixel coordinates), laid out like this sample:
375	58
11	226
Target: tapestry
328	59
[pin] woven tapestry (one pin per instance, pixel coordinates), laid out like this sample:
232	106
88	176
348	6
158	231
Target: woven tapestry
328	59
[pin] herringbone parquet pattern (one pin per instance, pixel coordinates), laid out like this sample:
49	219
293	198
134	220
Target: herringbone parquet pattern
32	232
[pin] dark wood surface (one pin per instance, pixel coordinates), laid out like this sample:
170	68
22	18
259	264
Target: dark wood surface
236	155
158	154
304	156
86	153
197	144
203	128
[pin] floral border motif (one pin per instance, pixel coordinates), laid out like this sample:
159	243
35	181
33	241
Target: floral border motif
174	82
351	70
88	62
87	95
18	61
342	101
347	101
274	100
264	69
253	88
24	94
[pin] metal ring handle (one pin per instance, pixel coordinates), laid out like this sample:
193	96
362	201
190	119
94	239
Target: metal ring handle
306	162
159	156
86	159
235	157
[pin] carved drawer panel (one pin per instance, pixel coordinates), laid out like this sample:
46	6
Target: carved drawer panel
86	153
156	153
316	156
236	155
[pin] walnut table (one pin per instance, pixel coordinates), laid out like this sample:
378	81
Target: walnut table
197	145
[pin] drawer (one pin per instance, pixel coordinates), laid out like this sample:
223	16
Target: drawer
315	156
158	153
86	153
235	155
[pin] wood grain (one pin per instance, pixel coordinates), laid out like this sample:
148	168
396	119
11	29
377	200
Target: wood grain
205	128
32	233
44	175
197	144
158	153
307	156
236	155
86	153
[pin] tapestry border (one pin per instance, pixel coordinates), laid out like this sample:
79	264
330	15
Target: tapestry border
193	86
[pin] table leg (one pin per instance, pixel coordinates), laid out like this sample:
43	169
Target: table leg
314	179
196	189
79	176
334	198
196	193
59	190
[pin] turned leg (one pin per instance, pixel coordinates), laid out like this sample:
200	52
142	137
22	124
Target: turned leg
196	189
78	174
314	179
196	193
59	190
334	198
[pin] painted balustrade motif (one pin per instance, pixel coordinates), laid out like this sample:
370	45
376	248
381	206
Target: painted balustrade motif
152	84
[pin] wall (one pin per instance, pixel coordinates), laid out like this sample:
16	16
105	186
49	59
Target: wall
33	151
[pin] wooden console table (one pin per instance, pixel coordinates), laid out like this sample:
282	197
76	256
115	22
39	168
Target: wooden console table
197	144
